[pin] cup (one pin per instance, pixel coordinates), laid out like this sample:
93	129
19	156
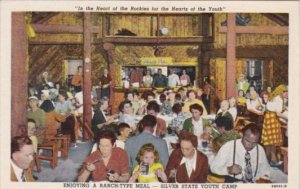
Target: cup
144	168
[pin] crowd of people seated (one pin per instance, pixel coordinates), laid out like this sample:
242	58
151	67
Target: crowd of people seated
130	146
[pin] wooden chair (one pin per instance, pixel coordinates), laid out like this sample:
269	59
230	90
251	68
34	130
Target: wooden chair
87	132
63	144
51	146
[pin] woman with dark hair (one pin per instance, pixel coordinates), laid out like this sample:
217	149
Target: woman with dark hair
191	94
100	121
65	107
196	124
53	119
187	164
108	163
167	105
177	123
161	127
127	115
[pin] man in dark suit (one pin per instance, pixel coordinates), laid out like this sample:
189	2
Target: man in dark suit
133	144
159	80
21	157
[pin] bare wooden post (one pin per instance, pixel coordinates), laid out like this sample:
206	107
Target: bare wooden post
230	56
87	84
19	73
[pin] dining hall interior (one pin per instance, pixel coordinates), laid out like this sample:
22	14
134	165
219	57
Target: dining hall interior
78	76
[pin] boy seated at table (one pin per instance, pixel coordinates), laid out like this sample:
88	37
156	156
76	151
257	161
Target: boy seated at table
226	133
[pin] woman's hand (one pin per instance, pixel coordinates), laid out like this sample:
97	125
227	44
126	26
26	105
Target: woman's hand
90	167
114	177
173	173
135	176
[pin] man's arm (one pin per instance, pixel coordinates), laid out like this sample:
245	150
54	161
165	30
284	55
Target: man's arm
263	166
128	152
222	160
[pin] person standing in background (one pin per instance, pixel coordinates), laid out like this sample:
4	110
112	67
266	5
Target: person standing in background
208	90
77	79
105	83
159	80
147	79
185	79
242	83
136	77
173	79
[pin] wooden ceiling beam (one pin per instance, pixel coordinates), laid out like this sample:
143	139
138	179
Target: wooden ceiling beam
44	28
155	40
41	17
274	30
281	19
54	43
134	40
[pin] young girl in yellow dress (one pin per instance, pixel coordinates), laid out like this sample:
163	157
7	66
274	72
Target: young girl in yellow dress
148	168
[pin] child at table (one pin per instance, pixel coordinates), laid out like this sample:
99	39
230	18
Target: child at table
148	169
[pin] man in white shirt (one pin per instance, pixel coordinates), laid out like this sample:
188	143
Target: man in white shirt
242	159
22	152
173	79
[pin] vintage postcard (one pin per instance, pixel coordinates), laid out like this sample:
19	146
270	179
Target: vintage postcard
82	81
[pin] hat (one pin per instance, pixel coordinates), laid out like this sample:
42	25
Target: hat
70	95
33	98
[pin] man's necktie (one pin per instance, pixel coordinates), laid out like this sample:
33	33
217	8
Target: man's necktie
23	177
248	177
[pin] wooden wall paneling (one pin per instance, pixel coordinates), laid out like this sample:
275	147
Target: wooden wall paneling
200	24
42	63
145	29
175	26
151	26
190	25
271	73
241	65
147	23
195	23
104	26
139	26
165	22
221	75
158	24
186	26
